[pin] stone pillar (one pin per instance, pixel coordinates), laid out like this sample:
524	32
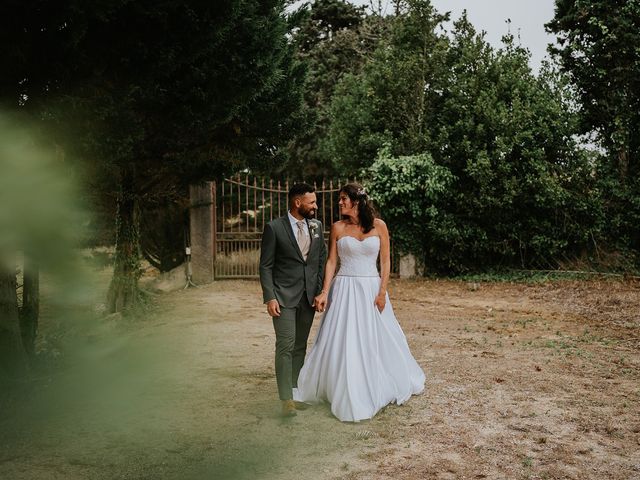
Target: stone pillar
202	231
410	266
407	267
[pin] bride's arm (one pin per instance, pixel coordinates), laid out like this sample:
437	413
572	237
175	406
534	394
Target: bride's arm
332	259
385	263
330	267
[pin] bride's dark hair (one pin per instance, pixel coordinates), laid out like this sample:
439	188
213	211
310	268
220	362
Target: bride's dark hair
366	212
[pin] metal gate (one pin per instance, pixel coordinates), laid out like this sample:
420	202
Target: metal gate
243	205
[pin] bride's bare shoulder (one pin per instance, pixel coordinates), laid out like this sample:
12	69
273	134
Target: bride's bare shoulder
338	227
379	223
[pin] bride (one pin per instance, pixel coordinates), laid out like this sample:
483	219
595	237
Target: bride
360	361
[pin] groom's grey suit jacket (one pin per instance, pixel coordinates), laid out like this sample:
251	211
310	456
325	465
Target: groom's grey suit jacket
284	274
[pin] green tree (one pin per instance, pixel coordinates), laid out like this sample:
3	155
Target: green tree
522	192
392	99
412	192
332	38
599	49
148	91
523	195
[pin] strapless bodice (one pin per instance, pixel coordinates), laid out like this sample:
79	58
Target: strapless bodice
358	257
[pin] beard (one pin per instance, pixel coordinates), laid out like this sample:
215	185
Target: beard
308	214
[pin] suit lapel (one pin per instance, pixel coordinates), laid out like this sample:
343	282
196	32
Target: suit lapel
287	226
311	242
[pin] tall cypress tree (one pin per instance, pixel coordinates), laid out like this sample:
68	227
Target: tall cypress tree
148	91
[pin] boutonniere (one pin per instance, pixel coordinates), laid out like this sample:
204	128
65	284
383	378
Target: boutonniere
313	227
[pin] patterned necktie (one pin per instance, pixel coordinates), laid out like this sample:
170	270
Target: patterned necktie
303	239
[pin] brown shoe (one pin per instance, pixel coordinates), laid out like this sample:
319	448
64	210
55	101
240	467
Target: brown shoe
300	405
289	408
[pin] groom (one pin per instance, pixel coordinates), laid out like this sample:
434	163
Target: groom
292	259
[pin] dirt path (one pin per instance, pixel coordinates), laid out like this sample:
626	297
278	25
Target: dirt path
523	381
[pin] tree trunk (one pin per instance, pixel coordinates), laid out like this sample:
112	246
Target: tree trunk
124	294
30	306
623	164
13	360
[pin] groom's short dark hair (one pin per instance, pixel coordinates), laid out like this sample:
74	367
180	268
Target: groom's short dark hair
299	189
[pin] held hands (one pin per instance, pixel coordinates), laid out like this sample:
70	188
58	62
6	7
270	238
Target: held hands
273	308
380	301
320	302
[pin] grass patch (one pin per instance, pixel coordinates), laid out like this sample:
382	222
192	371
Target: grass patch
523	322
534	276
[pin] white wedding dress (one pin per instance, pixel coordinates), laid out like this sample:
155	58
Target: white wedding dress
360	361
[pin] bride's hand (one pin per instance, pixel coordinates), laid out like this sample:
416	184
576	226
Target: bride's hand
320	302
380	301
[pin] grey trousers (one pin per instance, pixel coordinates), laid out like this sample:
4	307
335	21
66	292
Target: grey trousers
292	332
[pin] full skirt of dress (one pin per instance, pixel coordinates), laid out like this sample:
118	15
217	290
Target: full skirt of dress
360	361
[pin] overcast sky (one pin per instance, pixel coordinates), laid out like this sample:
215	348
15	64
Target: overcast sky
527	20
